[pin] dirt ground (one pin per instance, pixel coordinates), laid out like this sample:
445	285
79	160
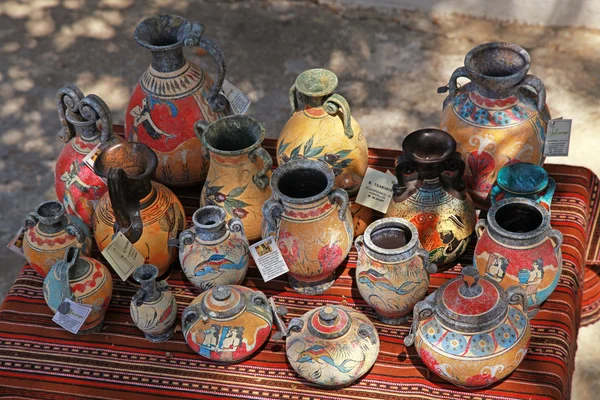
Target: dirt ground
389	65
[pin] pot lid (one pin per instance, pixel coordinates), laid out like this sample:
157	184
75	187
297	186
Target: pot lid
223	302
471	303
523	178
329	322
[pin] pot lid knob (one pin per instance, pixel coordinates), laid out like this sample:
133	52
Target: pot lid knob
470	277
328	315
221	293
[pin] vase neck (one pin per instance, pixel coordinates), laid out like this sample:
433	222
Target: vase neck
150	289
315	102
168	60
494	93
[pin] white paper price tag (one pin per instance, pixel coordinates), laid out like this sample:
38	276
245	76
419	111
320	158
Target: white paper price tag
558	136
122	256
268	259
16	243
72	315
376	190
238	100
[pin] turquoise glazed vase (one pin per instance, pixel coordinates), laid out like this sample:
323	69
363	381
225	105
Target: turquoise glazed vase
524	180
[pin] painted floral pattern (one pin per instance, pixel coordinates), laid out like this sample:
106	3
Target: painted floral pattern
289	247
229	201
338	160
330	256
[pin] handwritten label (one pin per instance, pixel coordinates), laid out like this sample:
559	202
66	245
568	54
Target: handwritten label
558	136
239	101
376	190
122	256
71	315
268	259
16	243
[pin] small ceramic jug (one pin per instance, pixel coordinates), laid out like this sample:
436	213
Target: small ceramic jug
49	232
524	180
77	186
153	308
517	246
431	194
471	332
214	252
238	177
332	346
500	117
324	130
81	280
227	323
311	223
146	212
392	269
172	95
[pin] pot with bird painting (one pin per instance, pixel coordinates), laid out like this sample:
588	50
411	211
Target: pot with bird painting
498	118
146	212
324	129
517	246
215	251
49	232
172	95
311	223
332	346
471	331
76	184
431	195
392	269
238	176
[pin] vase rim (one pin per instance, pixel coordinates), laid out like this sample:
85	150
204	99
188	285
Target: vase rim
316	82
216	222
240	124
145	273
149	26
427	140
293	165
384	223
497	65
50	212
134	152
530	236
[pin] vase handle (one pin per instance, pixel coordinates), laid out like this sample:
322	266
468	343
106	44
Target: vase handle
186	238
460	72
67	98
423	309
293	99
359	242
557	238
127	210
340	196
189	317
260	179
71	257
480	227
235	225
430	267
31	220
517	296
456	165
336	103
403	167
537	84
93	108
272	211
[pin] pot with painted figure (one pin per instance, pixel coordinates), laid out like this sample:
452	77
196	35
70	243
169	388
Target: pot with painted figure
498	118
431	194
524	180
471	331
215	251
49	232
311	223
517	245
392	269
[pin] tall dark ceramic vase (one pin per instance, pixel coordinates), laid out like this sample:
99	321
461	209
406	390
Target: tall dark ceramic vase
172	95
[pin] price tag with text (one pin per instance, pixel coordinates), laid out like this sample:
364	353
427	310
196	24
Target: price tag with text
122	256
268	259
239	101
71	315
376	190
558	136
16	243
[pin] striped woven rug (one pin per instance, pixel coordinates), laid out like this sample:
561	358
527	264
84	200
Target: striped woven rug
38	360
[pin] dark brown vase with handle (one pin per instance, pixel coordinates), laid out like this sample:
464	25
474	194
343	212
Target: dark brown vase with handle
146	212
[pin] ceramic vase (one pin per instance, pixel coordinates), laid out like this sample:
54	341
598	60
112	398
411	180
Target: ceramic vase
172	95
524	180
324	129
146	212
392	269
48	234
77	186
311	223
362	216
238	177
471	332
82	280
431	194
517	246
227	324
153	308
332	346
214	252
499	118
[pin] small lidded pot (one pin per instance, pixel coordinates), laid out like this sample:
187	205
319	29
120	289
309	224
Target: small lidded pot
82	280
392	270
524	180
471	332
153	308
227	323
332	346
215	251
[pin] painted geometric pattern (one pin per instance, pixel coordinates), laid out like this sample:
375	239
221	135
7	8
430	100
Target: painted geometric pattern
473	113
175	84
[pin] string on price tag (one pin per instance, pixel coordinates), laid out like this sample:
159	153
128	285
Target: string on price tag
268	259
122	256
